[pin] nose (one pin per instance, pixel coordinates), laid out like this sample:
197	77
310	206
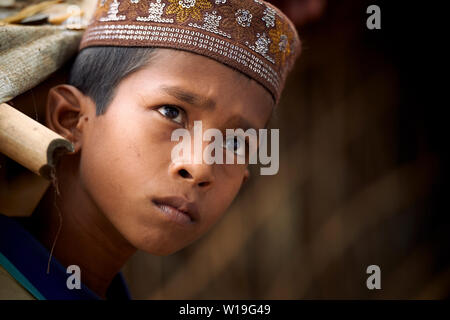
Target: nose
199	174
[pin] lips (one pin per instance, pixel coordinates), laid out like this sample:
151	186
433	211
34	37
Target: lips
178	206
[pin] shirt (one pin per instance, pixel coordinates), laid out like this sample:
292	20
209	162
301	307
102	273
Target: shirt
23	270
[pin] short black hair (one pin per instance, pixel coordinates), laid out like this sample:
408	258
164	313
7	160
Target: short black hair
97	71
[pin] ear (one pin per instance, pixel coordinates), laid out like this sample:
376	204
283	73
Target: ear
66	108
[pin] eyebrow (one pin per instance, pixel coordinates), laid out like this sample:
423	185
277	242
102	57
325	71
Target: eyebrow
188	97
194	99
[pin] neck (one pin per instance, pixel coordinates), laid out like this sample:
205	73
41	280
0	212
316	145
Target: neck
86	238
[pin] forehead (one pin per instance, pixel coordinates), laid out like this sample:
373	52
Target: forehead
212	82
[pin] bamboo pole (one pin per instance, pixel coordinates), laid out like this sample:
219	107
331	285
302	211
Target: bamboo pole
29	143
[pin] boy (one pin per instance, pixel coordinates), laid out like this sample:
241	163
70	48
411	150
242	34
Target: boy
146	68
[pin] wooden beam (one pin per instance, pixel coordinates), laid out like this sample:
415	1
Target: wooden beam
30	143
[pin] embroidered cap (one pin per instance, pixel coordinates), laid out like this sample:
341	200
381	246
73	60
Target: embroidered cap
252	36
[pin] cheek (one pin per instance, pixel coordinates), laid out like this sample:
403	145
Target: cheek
228	183
126	147
121	157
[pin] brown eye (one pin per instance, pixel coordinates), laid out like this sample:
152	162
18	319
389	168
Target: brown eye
173	113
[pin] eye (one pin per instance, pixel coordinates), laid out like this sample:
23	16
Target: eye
236	145
173	113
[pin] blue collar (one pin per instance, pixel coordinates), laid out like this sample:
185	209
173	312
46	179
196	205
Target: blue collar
26	260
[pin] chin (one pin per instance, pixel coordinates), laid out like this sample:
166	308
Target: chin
158	246
161	252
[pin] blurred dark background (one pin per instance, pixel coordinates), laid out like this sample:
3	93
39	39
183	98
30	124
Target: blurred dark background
362	174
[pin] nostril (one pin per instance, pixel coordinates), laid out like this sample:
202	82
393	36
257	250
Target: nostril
203	184
184	174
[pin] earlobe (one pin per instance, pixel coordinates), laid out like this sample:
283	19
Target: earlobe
65	109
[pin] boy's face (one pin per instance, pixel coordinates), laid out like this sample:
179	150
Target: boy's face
126	166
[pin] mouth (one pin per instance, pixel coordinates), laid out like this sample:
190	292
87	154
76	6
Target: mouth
177	209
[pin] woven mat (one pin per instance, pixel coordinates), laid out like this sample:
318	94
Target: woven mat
29	54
